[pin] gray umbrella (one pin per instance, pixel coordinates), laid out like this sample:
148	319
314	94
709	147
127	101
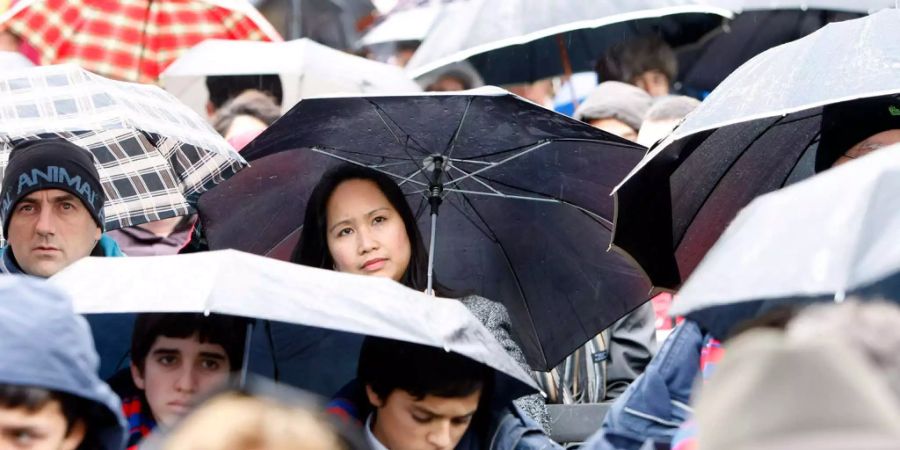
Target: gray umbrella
824	238
512	41
775	120
241	284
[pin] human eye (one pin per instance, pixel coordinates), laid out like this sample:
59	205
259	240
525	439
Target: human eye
167	360
462	420
67	206
25	208
344	231
23	438
210	364
421	418
379	219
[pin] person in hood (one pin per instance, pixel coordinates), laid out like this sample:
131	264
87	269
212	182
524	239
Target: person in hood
50	394
615	107
52	208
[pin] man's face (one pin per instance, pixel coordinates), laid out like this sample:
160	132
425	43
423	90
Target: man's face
653	82
403	422
616	127
50	229
869	145
43	429
176	372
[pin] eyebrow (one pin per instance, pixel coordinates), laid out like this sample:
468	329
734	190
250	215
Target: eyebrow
420	409
367	214
57	199
172	351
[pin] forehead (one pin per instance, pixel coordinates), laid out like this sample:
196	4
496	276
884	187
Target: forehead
48	194
189	345
354	194
443	406
50	414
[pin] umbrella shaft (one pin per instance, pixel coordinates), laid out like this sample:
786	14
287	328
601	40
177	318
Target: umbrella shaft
246	364
430	289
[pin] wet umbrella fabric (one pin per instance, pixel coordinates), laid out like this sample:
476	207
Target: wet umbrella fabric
130	40
525	210
306	69
516	41
155	156
781	117
825	238
241	284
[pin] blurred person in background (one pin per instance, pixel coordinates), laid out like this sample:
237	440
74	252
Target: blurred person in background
223	88
615	107
540	92
246	116
663	116
647	62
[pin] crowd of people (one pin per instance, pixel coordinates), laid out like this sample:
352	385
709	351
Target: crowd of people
825	376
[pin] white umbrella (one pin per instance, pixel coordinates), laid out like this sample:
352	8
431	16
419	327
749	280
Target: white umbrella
306	69
242	284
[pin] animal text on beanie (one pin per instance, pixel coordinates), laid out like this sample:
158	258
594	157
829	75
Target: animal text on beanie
51	164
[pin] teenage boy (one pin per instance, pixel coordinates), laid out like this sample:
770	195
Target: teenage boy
50	395
423	397
175	359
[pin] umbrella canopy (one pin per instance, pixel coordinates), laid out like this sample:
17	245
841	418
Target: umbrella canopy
131	40
526	209
515	41
155	156
776	120
412	24
246	285
824	238
306	69
14	60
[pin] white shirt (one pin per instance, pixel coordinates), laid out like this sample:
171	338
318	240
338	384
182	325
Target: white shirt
373	441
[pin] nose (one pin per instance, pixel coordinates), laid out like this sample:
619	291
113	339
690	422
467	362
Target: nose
46	224
186	381
440	436
366	241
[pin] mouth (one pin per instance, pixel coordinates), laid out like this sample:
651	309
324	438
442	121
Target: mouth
45	249
374	264
179	407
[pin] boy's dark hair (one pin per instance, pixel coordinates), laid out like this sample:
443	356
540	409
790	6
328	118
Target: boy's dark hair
386	365
251	103
32	399
629	59
227	331
226	87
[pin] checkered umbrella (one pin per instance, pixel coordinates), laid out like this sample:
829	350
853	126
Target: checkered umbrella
132	40
155	156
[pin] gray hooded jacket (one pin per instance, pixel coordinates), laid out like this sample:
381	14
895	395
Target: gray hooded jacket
45	344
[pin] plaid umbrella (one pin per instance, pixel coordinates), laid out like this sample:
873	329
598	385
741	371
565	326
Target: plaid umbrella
131	40
155	156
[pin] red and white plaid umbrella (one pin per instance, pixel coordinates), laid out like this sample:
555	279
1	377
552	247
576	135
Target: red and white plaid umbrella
132	40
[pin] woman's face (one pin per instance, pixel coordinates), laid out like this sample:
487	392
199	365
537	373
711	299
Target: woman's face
365	233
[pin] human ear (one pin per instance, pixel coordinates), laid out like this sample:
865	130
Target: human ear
75	436
374	400
137	377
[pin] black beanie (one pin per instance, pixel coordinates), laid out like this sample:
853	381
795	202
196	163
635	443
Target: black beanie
51	164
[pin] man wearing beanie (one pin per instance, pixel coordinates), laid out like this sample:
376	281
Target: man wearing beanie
615	107
51	205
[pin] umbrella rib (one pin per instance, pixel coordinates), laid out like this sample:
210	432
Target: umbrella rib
551	140
332	155
475	179
527	150
384	119
410	177
459	127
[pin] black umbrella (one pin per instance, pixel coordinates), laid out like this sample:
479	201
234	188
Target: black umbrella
783	116
522	195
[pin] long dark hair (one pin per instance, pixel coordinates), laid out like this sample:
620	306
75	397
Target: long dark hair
312	249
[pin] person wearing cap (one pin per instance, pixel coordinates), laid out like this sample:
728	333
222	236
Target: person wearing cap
50	394
51	204
615	107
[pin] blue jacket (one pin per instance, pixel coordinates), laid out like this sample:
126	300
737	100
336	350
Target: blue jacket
45	344
105	247
656	404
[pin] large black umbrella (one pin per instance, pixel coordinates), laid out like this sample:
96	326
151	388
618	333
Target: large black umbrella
525	212
781	117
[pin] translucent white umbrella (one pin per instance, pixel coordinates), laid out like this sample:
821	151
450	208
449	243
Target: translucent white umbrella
306	69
